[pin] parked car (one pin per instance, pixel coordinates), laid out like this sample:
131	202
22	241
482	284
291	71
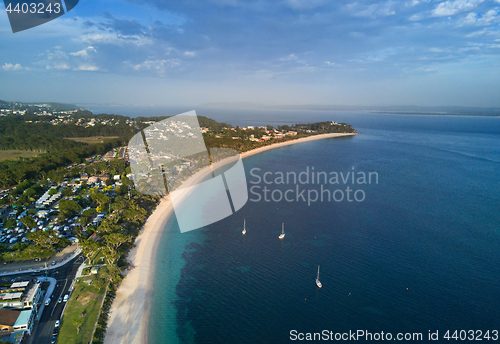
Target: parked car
53	340
57	323
47	302
66	297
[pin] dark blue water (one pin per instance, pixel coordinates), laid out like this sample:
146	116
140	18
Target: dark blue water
421	252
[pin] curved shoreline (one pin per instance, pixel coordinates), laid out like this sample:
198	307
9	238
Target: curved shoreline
129	313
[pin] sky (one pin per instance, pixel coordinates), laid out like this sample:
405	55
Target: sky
162	52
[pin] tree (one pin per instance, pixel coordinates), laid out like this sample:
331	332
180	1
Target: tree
109	225
100	198
135	213
115	240
44	239
28	221
125	181
89	247
66	191
68	208
10	223
110	273
100	283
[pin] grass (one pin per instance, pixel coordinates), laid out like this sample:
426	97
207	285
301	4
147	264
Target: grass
92	139
96	259
83	304
10	154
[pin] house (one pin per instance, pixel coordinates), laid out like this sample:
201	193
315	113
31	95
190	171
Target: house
8	318
94	270
25	321
4	211
21	295
105	177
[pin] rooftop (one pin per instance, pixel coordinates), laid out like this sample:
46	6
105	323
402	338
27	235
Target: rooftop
23	318
20	284
8	317
11	296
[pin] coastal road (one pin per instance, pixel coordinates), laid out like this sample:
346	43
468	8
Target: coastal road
43	330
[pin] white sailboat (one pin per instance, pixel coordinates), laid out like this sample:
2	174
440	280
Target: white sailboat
318	283
244	231
282	235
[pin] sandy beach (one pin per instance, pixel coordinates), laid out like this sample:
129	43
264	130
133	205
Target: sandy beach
128	321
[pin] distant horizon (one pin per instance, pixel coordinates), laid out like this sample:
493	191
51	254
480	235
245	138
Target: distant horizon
402	109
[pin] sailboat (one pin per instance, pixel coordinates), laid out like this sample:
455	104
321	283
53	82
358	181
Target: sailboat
244	231
282	235
318	283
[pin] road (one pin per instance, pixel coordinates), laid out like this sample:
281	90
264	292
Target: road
43	330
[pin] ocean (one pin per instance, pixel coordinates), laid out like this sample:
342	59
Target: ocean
416	249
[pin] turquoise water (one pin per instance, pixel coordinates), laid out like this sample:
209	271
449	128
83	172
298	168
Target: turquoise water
420	252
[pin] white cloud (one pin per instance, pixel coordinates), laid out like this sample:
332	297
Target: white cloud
291	57
115	39
12	67
159	66
87	67
84	53
449	8
372	11
304	4
189	54
60	60
437	50
55	59
486	19
57	65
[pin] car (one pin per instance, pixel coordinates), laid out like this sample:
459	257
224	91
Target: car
66	297
47	302
56	331
53	340
53	262
60	300
57	323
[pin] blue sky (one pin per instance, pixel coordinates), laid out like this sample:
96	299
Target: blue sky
412	52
